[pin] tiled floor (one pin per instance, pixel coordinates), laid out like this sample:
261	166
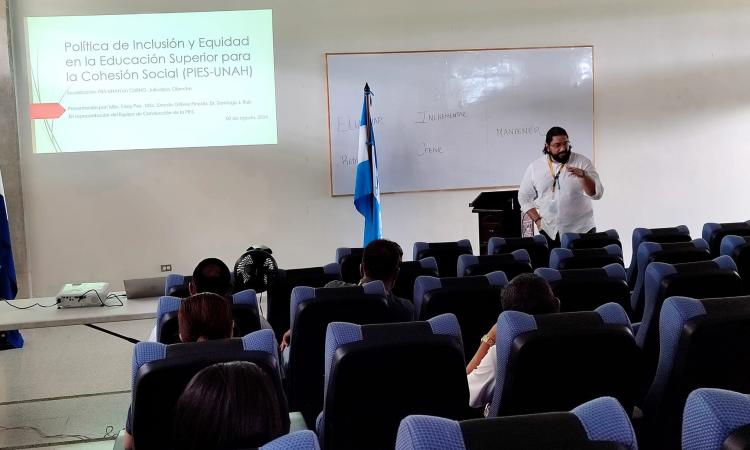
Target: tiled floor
67	381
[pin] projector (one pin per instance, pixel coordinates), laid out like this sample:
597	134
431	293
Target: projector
79	295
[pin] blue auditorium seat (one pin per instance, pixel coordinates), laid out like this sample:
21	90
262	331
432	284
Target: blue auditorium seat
704	343
512	264
671	253
475	301
738	248
679	233
280	292
590	240
716	419
553	362
713	233
597	424
587	289
585	258
445	253
408	272
311	311
702	279
536	247
378	374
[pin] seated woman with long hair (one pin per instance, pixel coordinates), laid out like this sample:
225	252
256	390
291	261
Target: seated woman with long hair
201	317
225	406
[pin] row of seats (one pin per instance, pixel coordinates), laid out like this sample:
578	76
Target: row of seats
384	372
714	419
456	259
475	301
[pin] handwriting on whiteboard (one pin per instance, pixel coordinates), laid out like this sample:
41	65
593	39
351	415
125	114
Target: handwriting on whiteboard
520	131
429	116
347	124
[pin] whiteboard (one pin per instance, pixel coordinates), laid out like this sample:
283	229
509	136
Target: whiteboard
457	119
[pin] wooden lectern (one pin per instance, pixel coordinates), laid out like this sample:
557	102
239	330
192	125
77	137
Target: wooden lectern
499	215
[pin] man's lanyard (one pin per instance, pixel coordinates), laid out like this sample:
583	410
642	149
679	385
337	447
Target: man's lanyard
555	176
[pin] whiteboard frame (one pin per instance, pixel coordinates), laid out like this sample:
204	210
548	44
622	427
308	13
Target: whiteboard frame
504	187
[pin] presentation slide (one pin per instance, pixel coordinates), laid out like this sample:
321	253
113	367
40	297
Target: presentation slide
143	81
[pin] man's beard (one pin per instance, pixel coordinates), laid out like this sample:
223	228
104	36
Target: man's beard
561	157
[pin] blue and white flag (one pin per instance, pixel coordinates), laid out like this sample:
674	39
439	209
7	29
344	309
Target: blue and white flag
8	286
367	187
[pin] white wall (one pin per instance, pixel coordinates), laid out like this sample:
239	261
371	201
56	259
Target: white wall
672	107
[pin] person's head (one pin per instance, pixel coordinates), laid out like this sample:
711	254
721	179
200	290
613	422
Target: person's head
211	275
557	145
204	317
531	294
227	405
380	261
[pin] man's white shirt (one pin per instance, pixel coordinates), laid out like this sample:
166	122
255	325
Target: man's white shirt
565	208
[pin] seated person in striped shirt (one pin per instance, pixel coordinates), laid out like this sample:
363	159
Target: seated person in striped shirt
201	317
527	293
380	261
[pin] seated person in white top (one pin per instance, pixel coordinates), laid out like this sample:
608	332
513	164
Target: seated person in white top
527	293
557	189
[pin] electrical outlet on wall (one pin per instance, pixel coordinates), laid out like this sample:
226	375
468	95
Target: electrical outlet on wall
166	267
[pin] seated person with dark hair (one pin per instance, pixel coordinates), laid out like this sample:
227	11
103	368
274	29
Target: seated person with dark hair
527	293
204	317
201	317
380	261
211	275
227	405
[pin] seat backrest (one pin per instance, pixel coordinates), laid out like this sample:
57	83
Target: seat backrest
554	362
588	289
536	246
245	314
671	253
176	285
297	440
705	343
590	240
161	372
408	273
368	390
716	419
512	264
738	248
312	309
679	233
585	258
349	260
280	292
713	233
598	424
445	253
475	301
702	279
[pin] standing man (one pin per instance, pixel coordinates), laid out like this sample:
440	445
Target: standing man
557	189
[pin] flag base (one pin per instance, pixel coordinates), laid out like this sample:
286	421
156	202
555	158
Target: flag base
10	339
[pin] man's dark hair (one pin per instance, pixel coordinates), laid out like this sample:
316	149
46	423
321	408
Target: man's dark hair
531	294
381	258
206	316
227	405
555	131
212	275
